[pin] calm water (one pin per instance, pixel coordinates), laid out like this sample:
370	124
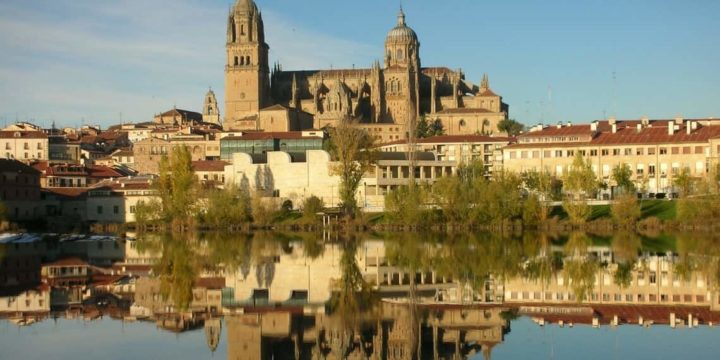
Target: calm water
315	296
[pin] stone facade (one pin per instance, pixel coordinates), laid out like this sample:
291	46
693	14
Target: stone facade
390	95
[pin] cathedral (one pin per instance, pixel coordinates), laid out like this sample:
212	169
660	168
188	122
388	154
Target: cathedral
386	99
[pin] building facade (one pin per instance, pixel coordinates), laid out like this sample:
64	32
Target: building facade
655	150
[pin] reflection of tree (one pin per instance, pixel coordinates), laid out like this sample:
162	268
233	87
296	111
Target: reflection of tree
625	245
177	268
579	268
354	295
699	251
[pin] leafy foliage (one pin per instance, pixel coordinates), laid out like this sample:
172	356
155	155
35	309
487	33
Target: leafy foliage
426	128
352	148
510	127
622	175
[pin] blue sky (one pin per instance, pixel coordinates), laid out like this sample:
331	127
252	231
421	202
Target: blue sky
88	61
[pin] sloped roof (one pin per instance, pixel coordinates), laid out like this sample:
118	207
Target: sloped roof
209	165
22	134
18	167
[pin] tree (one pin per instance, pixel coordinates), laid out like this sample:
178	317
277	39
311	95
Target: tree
622	175
626	210
683	182
352	149
404	204
426	128
579	182
228	207
510	127
543	186
311	206
177	186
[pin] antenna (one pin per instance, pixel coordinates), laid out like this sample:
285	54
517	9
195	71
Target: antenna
550	104
613	98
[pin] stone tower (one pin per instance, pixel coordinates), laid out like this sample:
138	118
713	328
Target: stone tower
402	69
246	70
211	111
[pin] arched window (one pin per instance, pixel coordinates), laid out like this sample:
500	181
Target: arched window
236	61
247	60
389	55
399	54
242	60
242	29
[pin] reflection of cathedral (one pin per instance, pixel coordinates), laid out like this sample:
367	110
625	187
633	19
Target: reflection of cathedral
385	97
391	335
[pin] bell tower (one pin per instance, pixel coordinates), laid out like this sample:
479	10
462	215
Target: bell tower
246	70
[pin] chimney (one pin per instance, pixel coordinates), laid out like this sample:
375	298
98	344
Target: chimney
614	127
679	120
688	128
644	121
639	127
569	124
612	120
593	126
694	125
671	127
559	124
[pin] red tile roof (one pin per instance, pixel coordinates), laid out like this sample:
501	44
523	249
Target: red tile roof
450	139
487	92
22	135
71	261
209	165
270	135
464	111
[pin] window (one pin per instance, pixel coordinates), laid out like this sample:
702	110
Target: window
686	150
651	151
605	152
99	209
628	151
653	277
593	152
132	209
116	209
558	153
698	149
26	146
571	153
616	152
639	151
663	151
675	150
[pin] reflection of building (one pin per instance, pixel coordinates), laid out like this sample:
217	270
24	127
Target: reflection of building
392	334
386	96
654	283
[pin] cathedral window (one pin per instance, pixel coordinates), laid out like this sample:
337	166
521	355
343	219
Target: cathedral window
236	61
247	60
242	60
242	29
399	54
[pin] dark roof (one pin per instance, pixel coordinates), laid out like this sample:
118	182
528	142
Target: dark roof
182	113
14	166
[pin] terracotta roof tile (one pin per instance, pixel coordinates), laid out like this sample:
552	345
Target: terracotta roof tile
464	111
22	135
209	165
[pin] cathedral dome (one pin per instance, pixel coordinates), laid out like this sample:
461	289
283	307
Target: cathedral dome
401	33
245	6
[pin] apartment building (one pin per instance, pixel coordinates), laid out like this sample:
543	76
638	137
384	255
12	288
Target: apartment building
655	150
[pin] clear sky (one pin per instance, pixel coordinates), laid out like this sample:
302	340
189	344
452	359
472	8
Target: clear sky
88	61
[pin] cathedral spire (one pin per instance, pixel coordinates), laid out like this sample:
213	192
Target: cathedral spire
485	83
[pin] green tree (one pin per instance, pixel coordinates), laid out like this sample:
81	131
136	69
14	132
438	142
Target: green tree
404	204
454	198
682	181
579	182
542	185
622	175
229	207
625	210
422	129
510	127
177	188
352	149
311	206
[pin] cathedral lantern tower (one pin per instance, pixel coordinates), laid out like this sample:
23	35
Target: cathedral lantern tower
246	70
402	71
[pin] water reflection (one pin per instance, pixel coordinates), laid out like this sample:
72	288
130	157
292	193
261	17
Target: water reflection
369	296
